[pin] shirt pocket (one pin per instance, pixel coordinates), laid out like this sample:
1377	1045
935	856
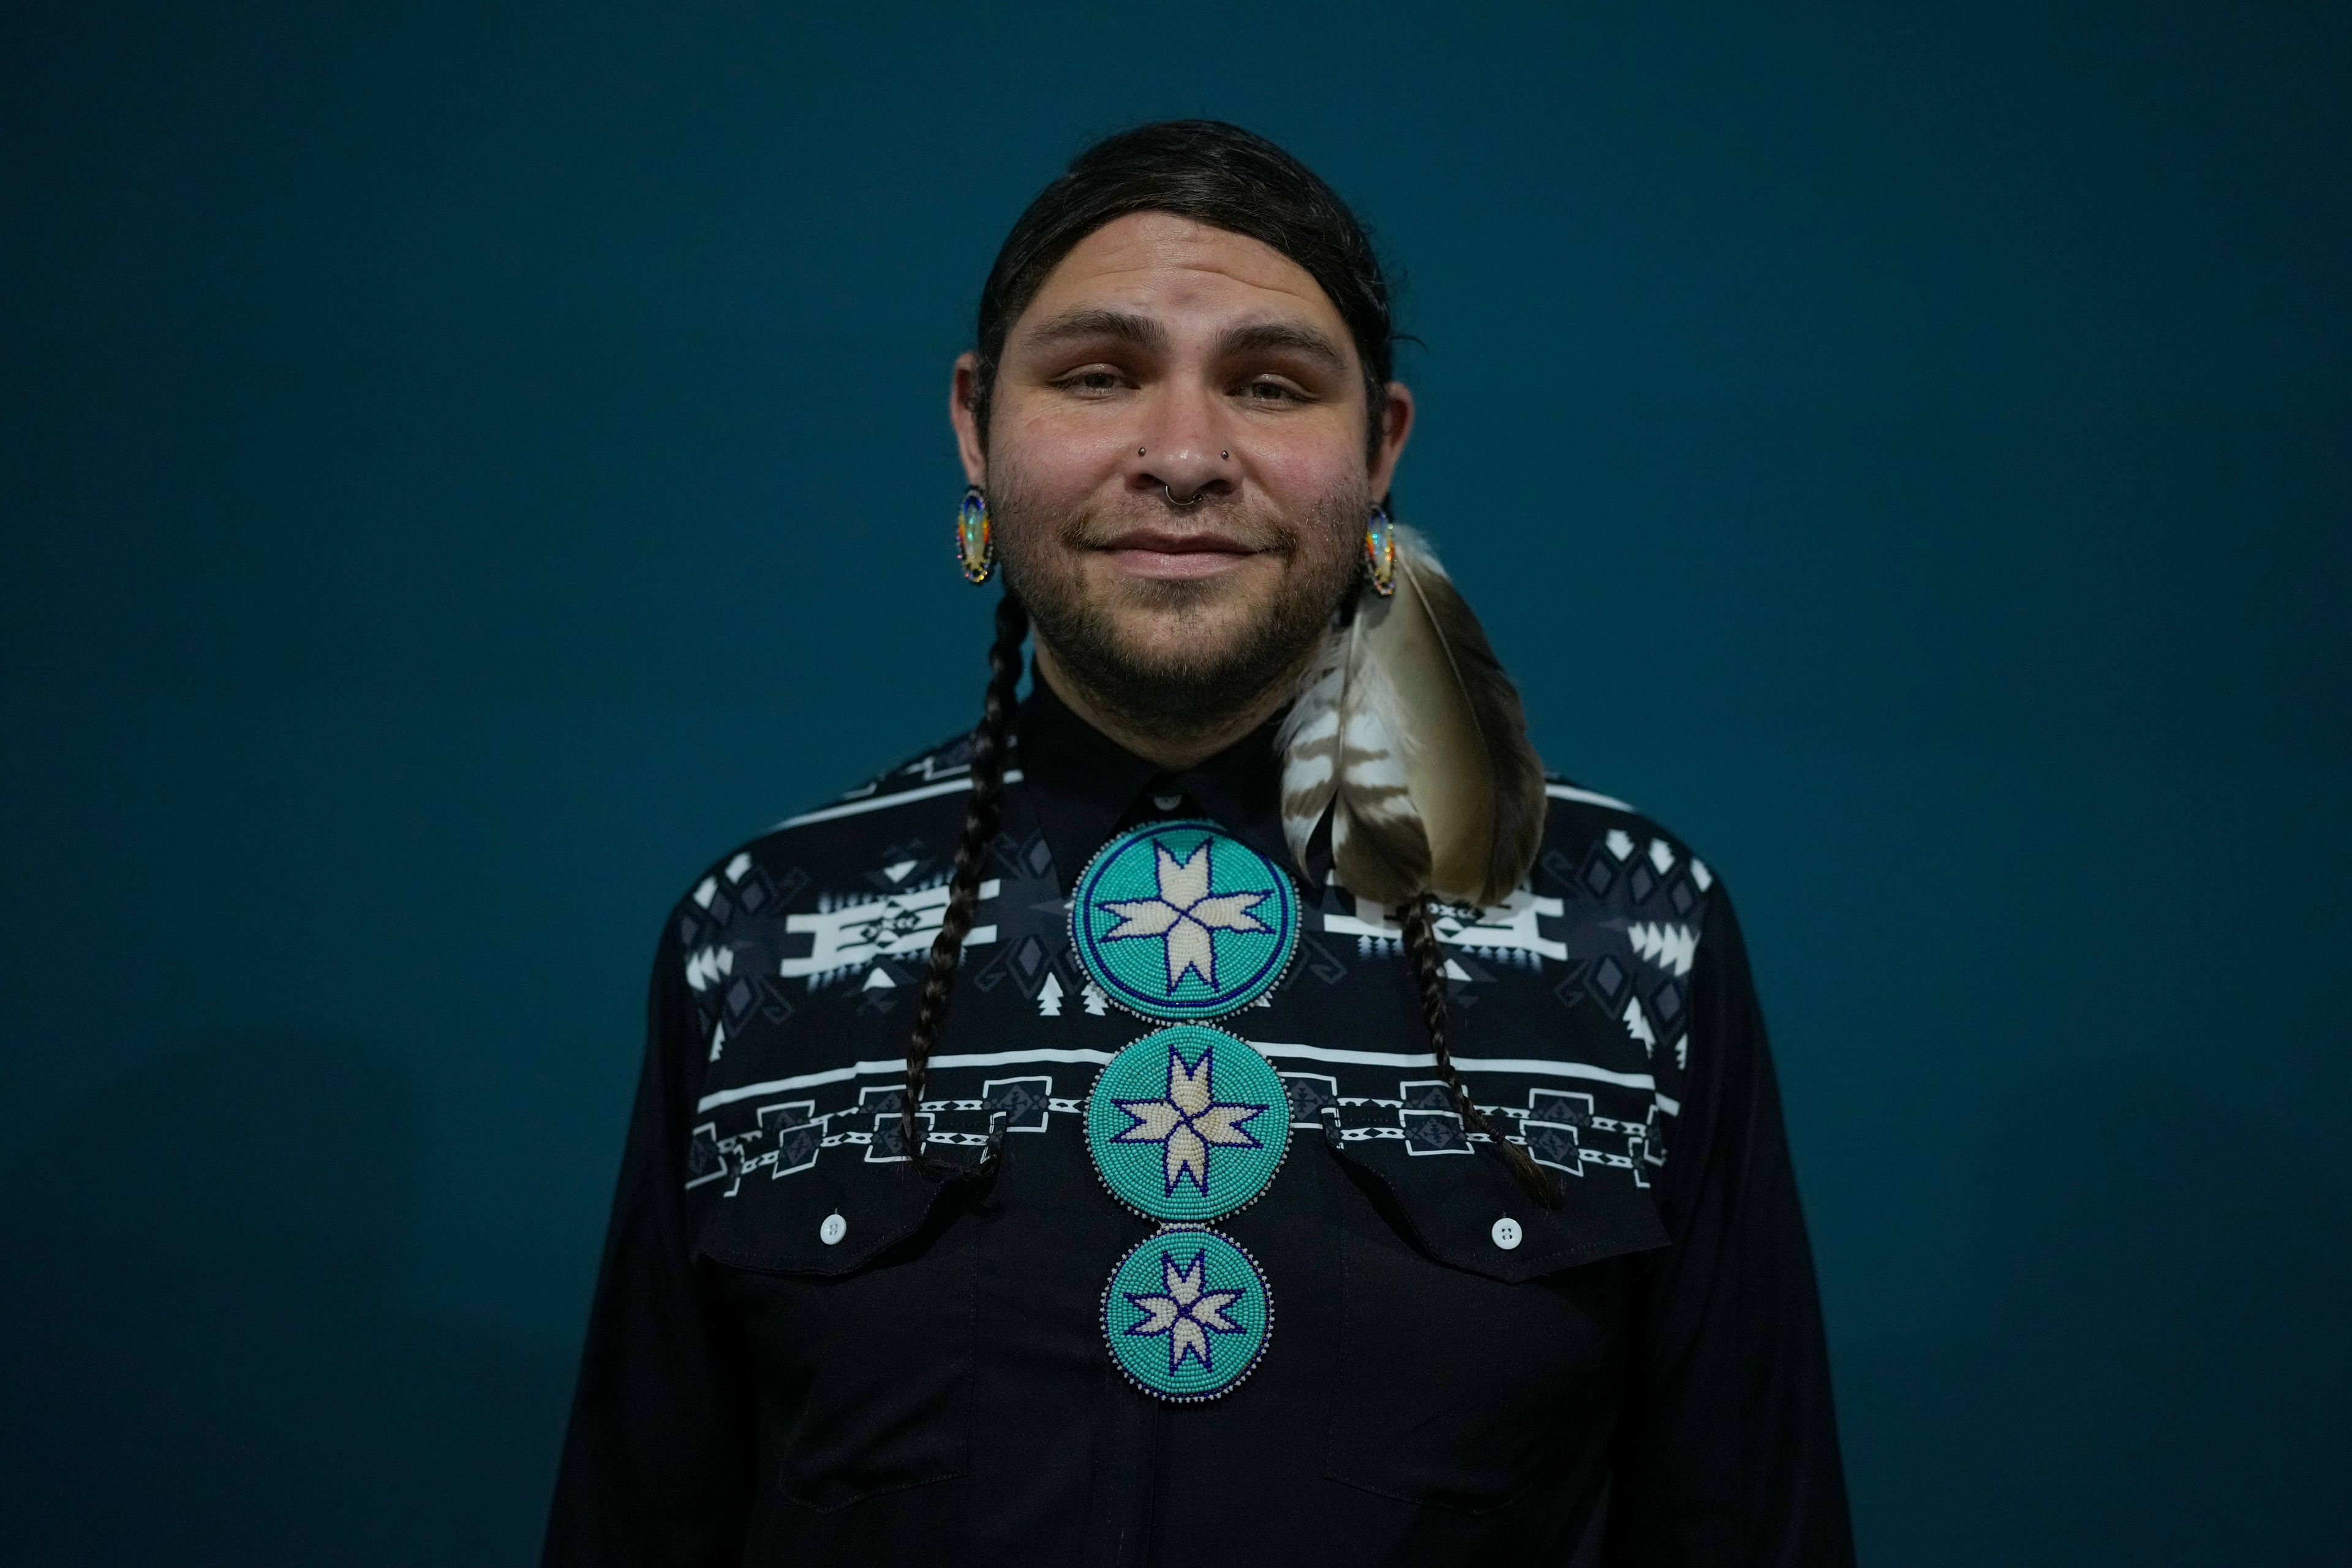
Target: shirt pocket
853	1284
1477	1368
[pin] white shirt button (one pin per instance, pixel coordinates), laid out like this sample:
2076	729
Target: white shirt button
1168	802
1506	1233
835	1227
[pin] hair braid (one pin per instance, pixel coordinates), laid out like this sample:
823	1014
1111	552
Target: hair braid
989	740
1421	945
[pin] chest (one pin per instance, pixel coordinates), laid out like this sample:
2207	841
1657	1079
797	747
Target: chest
1432	1333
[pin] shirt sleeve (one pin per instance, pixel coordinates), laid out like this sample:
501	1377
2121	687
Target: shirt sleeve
657	1466
1727	1449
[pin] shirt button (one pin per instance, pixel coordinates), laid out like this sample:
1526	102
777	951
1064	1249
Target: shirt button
1506	1233
1168	802
835	1227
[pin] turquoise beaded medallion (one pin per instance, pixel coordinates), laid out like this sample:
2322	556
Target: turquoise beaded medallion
1187	1314
1187	1124
1176	919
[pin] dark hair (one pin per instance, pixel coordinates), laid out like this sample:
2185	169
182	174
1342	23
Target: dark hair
1420	927
1214	173
1232	179
989	740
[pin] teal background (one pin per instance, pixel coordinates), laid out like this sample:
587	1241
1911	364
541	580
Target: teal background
1134	969
1137	1173
1225	1266
463	468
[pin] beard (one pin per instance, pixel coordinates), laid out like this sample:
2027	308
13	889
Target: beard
1217	659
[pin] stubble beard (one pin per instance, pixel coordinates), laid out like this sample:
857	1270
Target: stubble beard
1197	682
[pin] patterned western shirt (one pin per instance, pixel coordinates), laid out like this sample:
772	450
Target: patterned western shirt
802	1350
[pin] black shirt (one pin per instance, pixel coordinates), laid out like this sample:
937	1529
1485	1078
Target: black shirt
1638	1378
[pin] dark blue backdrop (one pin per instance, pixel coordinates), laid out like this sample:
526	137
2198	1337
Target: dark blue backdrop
462	469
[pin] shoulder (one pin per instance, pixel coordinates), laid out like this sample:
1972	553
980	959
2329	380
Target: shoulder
1600	848
1630	901
896	807
753	917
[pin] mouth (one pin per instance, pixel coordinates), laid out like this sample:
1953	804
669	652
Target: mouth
1168	555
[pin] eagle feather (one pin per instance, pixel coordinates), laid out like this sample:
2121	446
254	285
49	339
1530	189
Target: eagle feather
1406	731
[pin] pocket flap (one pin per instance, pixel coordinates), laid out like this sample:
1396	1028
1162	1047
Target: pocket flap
782	1224
1455	1206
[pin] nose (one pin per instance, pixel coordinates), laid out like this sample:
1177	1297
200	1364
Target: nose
1183	453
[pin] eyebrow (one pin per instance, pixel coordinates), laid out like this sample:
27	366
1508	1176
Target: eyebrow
1118	326
1143	333
1264	337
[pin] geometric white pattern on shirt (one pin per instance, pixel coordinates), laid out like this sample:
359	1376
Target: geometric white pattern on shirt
964	1120
1507	927
1664	944
1638	1026
704	966
894	927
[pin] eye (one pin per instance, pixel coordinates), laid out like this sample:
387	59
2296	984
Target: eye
1092	382
1268	391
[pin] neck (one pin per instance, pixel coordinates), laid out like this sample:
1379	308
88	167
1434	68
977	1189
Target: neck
1174	749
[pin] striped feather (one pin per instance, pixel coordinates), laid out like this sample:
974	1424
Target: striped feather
1407	732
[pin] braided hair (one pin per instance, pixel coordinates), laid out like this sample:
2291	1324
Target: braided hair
1429	971
989	740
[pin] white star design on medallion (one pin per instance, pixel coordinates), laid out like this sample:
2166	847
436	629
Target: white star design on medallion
1185	1312
1185	913
1189	1119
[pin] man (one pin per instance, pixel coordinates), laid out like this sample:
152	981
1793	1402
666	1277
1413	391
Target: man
1230	1107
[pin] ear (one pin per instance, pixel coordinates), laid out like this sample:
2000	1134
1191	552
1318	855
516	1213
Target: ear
1396	424
964	387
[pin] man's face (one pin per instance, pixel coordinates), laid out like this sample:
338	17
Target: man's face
1177	464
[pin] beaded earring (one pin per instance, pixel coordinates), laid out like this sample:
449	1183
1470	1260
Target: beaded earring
1379	550
975	536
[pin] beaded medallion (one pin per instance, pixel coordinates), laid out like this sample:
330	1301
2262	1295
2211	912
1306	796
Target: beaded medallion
1176	919
1187	1314
1187	1124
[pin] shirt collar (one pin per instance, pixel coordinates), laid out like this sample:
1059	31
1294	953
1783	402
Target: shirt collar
1086	786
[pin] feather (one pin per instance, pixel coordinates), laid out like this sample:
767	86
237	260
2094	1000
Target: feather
1343	752
1307	742
1408	733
